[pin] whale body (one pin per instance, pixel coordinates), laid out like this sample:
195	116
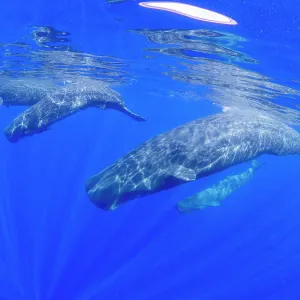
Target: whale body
24	92
189	152
51	103
214	195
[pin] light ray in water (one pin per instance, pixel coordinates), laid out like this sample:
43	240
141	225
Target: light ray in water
190	11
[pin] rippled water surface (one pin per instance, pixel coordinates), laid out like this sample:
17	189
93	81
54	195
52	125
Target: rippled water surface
204	64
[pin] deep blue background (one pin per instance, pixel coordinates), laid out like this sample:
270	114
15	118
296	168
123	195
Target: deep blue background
55	245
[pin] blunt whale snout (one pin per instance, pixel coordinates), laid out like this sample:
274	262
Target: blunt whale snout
13	138
104	198
104	190
115	185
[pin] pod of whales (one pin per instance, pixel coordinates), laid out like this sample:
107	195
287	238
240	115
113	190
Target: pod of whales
213	195
50	103
188	152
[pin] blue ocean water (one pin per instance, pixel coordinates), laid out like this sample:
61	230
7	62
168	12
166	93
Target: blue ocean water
56	245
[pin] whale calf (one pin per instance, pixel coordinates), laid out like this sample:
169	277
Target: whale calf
213	195
188	152
50	103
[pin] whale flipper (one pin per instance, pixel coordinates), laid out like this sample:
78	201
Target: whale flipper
133	115
182	173
215	203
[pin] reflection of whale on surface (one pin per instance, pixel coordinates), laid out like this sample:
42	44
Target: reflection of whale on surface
213	195
48	36
51	103
189	152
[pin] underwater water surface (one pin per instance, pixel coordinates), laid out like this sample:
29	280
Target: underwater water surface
57	245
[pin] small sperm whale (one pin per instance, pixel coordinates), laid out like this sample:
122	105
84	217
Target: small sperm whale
189	152
50	104
213	195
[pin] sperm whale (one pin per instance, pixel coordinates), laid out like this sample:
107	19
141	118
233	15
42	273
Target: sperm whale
50	103
189	152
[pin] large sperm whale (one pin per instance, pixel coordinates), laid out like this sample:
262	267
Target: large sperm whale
50	103
189	152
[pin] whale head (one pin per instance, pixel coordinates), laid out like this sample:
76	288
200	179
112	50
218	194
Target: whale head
133	176
112	187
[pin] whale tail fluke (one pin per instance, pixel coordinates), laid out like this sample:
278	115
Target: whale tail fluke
133	115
